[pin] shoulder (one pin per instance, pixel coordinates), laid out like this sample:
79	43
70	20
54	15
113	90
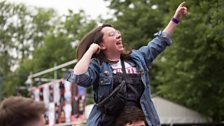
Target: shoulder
95	61
98	64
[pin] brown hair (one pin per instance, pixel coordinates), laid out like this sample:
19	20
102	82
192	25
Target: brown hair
18	111
96	36
129	115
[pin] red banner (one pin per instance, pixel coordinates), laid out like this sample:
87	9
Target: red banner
65	102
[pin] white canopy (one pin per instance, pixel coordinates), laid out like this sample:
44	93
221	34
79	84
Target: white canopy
170	112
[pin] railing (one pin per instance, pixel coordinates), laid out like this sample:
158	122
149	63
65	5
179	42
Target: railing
29	81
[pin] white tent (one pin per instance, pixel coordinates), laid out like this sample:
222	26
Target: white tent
170	112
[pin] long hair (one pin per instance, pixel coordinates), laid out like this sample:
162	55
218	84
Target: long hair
96	36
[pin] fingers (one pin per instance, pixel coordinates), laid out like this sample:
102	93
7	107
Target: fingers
95	48
98	51
182	4
180	11
183	8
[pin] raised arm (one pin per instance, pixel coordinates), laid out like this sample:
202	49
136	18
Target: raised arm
82	65
181	11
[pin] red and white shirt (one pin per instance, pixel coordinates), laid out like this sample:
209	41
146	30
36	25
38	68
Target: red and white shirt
130	68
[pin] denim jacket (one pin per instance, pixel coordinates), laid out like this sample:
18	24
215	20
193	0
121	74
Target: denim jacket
99	75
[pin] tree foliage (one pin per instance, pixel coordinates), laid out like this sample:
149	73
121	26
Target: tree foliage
7	34
42	39
192	69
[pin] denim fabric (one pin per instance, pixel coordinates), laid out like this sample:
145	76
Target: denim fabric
100	76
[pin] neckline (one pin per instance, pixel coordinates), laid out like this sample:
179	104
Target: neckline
113	62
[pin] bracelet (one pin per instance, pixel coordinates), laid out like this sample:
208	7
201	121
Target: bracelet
176	21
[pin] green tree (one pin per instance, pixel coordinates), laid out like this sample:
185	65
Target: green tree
22	30
7	33
59	47
191	71
52	39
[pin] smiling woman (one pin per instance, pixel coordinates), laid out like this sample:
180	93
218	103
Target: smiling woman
119	76
61	6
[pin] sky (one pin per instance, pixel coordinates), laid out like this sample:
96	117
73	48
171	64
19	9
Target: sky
92	8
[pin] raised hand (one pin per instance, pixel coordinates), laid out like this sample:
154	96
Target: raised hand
181	11
95	48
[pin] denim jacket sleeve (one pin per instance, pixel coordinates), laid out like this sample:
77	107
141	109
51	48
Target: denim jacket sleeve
86	79
155	47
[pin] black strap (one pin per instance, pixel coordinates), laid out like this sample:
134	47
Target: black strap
124	77
123	66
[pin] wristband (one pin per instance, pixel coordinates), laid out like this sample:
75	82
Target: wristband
176	21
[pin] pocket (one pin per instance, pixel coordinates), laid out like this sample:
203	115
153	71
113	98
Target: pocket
104	87
104	79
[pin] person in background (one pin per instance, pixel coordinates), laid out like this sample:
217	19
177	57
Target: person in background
21	111
119	76
131	116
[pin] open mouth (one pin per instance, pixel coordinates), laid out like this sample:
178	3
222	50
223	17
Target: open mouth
119	42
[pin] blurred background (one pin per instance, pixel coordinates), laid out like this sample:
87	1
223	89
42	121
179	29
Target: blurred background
38	45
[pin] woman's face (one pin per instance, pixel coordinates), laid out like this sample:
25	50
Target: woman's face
112	41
